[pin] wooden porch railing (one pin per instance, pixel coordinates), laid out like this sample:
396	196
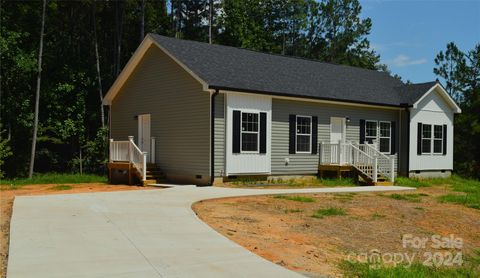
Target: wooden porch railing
364	157
127	151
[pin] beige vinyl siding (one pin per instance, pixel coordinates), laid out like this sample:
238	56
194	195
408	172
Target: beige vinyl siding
180	116
219	164
301	164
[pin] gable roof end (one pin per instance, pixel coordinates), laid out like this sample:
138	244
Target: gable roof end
133	63
437	87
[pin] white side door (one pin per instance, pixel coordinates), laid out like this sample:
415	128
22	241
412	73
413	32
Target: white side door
337	134
144	134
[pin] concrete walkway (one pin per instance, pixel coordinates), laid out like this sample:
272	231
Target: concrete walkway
147	233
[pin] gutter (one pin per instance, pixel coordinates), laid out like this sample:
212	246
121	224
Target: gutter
212	137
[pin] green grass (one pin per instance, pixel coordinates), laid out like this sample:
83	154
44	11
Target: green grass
415	197
51	179
344	197
470	187
295	198
402	181
292	211
61	187
365	270
377	215
468	200
331	211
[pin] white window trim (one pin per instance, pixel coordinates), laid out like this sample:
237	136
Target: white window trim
376	130
431	138
437	139
389	137
296	134
251	132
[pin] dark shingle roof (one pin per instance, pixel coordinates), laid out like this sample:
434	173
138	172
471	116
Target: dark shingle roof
224	67
410	93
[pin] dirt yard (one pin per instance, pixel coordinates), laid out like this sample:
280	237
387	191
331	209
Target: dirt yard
7	196
284	231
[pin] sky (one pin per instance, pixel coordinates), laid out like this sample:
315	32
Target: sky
408	34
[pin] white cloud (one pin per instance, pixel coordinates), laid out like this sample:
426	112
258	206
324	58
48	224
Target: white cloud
404	60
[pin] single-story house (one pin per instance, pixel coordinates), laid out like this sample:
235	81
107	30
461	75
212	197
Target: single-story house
199	112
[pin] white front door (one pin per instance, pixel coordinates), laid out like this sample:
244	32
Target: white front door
337	134
144	134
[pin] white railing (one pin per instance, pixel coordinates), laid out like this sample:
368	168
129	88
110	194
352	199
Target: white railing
127	151
335	153
365	157
386	164
364	162
119	150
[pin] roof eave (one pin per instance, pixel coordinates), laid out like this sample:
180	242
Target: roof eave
225	88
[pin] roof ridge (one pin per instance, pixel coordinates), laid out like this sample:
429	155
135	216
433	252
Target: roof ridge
276	54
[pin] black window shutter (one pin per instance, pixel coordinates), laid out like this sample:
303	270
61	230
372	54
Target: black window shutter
292	126
314	135
444	139
419	139
393	137
263	132
362	131
236	132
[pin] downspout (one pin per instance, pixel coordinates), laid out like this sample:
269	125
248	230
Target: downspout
212	137
407	115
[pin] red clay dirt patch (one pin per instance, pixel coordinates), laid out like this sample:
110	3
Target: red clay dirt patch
284	231
7	196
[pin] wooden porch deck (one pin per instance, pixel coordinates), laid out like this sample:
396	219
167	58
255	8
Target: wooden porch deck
339	169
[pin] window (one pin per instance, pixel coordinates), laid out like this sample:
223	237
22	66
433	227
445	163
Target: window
437	139
385	137
370	131
304	134
249	132
426	138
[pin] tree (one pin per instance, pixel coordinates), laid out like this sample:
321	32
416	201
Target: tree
337	34
461	71
97	58
37	93
451	66
5	150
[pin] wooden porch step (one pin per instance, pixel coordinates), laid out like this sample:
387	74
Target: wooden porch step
385	183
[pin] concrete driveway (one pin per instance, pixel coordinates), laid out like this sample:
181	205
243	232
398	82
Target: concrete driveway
148	233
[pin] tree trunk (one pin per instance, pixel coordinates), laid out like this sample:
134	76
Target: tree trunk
142	20
210	21
37	94
118	35
81	161
97	57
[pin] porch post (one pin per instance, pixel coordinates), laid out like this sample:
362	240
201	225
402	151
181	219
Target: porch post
130	151
152	150
321	153
110	147
392	169
339	152
375	166
144	170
